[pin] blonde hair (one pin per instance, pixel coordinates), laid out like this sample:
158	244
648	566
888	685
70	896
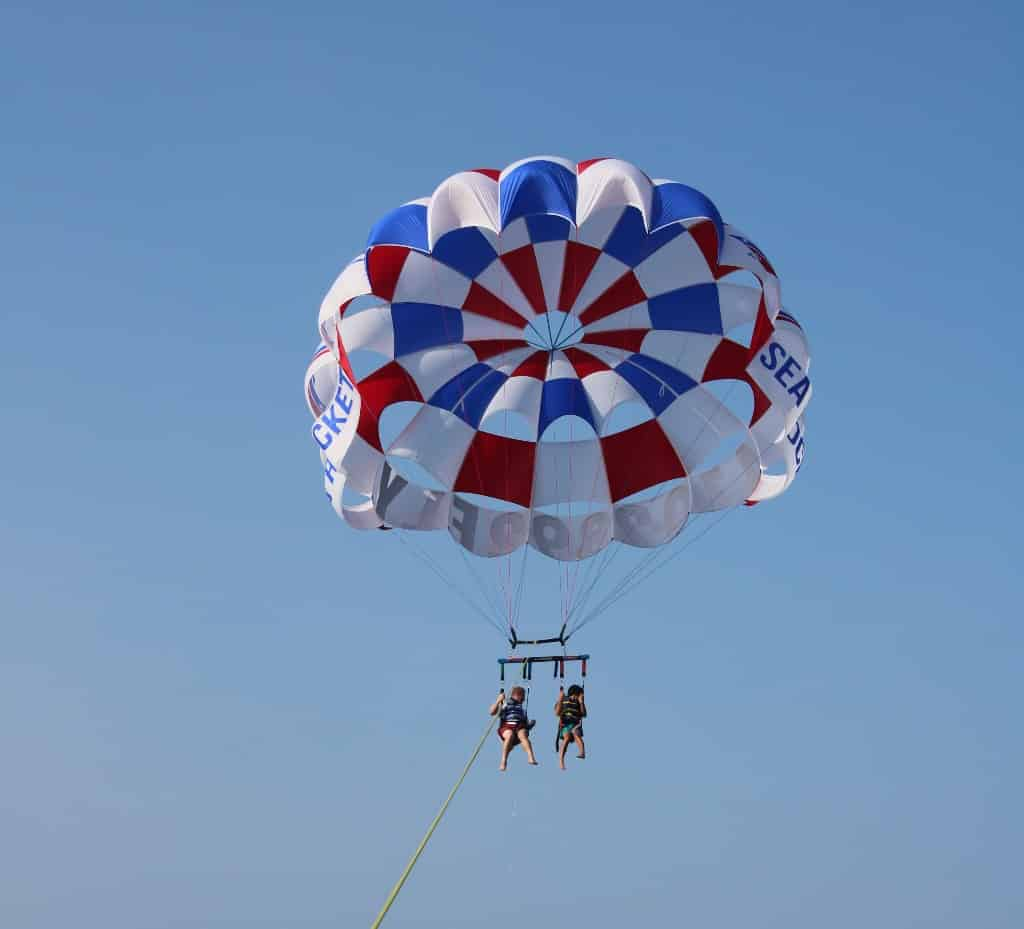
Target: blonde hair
517	693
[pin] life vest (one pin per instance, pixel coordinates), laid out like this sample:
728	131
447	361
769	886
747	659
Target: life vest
513	714
571	712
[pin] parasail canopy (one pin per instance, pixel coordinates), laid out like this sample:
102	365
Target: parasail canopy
558	336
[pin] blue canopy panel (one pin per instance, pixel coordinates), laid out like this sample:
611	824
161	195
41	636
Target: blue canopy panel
424	325
537	187
467	250
563	396
690	309
673	202
470	392
406	226
658	383
629	241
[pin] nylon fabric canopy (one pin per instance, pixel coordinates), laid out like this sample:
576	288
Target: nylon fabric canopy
562	331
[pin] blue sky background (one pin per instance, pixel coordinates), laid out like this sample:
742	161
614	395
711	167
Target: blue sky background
812	719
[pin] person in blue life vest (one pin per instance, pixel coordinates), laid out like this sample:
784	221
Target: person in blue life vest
513	725
570	708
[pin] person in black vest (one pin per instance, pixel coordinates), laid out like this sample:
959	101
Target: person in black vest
570	708
513	725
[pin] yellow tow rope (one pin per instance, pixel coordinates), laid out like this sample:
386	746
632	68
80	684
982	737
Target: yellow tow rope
437	819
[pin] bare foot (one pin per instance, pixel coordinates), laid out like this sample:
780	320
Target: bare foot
581	757
533	761
501	767
561	764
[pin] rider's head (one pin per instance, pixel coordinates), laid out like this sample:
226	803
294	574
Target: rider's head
517	693
575	690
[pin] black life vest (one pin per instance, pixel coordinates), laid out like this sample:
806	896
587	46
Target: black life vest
571	712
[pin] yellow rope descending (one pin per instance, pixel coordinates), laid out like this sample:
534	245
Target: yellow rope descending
437	819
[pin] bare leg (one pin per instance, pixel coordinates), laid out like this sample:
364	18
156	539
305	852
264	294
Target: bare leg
524	740
507	743
561	754
583	749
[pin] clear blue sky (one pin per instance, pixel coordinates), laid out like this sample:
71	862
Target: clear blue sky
813	720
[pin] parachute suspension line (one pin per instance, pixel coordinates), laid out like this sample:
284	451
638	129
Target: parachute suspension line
522	583
504	568
631	580
575	237
562	566
648	558
448	581
430	831
481	586
612	593
565	567
572	571
599	466
604	605
589	575
609	602
512	595
604	562
513	617
569	572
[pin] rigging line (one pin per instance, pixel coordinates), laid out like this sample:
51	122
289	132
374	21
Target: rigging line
600	465
505	569
612	555
452	585
678	550
588	571
572	573
447	581
617	591
588	575
559	341
481	586
725	514
566	592
608	602
630	572
572	270
540	338
612	594
510	588
707	422
593	581
519	592
626	585
569	336
650	557
430	831
608	557
462	402
630	580
557	470
506	606
503	585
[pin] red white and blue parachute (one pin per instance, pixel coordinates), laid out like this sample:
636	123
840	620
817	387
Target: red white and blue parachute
561	333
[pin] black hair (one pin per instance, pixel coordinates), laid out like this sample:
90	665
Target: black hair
575	690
